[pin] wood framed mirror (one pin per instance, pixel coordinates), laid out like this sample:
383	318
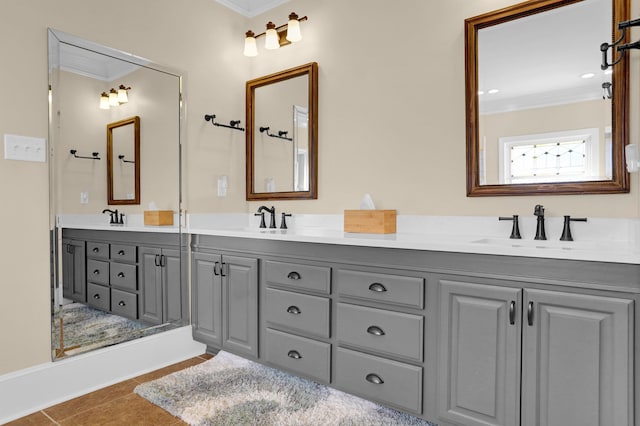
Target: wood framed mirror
539	118
282	135
123	161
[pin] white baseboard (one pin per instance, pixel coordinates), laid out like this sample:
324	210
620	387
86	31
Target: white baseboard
32	389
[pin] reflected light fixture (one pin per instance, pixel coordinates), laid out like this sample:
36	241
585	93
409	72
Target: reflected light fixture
114	97
123	95
275	36
104	101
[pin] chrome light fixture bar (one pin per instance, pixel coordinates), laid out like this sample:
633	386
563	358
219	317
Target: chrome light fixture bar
275	36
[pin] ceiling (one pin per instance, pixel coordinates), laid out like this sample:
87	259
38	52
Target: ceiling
251	8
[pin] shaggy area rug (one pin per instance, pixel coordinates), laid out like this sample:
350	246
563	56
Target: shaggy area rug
87	329
230	391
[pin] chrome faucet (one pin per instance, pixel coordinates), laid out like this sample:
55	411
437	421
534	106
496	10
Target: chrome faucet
272	211
539	212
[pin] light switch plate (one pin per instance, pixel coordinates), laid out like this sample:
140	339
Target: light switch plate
25	148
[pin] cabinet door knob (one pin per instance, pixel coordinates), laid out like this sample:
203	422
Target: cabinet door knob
294	310
294	354
96	249
377	287
96	296
530	313
121	274
375	330
512	312
374	378
121	303
121	253
96	272
294	275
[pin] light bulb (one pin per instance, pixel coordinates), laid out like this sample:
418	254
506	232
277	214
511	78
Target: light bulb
250	47
104	101
272	40
113	98
293	28
123	96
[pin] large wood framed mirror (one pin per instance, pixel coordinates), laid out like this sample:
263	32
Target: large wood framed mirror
282	135
123	161
542	116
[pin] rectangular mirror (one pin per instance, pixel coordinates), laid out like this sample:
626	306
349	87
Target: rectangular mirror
123	161
542	116
282	135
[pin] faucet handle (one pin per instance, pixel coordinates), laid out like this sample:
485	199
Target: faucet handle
515	229
262	224
283	222
566	230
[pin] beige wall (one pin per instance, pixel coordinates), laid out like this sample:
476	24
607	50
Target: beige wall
391	118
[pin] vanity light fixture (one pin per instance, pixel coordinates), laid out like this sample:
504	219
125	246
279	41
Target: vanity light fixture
114	97
620	48
104	101
123	94
275	36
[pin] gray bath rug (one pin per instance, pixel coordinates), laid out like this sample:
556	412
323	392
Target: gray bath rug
230	391
86	329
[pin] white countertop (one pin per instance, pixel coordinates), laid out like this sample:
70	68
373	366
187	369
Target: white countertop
133	223
468	235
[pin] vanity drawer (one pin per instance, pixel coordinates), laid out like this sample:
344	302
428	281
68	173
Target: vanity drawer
97	250
387	332
294	275
123	252
98	271
124	303
298	311
301	355
384	288
98	296
123	275
386	381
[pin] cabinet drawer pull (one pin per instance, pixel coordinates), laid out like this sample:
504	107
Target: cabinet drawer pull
96	272
215	269
96	296
294	310
157	260
377	287
374	378
96	249
294	354
512	312
375	330
121	253
530	313
120	274
121	303
294	275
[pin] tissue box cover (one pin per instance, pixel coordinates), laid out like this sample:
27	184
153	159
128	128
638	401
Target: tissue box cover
158	217
370	221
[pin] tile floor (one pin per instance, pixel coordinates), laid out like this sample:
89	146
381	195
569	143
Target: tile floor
113	405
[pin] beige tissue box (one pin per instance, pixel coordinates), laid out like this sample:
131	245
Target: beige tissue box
370	221
158	217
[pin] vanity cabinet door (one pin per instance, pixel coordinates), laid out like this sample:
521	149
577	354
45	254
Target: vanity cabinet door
174	300
577	364
479	354
150	282
74	278
240	304
206	303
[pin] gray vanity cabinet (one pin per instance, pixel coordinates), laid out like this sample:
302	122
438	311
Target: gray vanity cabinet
575	351
225	302
161	298
74	281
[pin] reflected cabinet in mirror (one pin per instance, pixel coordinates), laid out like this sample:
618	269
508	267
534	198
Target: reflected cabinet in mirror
282	135
542	116
123	161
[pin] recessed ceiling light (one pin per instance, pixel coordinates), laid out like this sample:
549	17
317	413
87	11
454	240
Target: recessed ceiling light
492	91
588	75
608	71
480	92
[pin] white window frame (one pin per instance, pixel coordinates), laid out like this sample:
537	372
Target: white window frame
591	137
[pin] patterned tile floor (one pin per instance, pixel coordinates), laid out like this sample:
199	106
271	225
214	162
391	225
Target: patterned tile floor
113	405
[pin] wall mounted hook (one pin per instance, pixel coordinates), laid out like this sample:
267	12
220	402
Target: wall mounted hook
94	156
282	134
233	124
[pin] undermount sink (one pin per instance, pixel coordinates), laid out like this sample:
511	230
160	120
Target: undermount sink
537	244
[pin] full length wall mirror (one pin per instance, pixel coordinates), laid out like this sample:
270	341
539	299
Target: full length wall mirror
282	135
111	275
542	116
